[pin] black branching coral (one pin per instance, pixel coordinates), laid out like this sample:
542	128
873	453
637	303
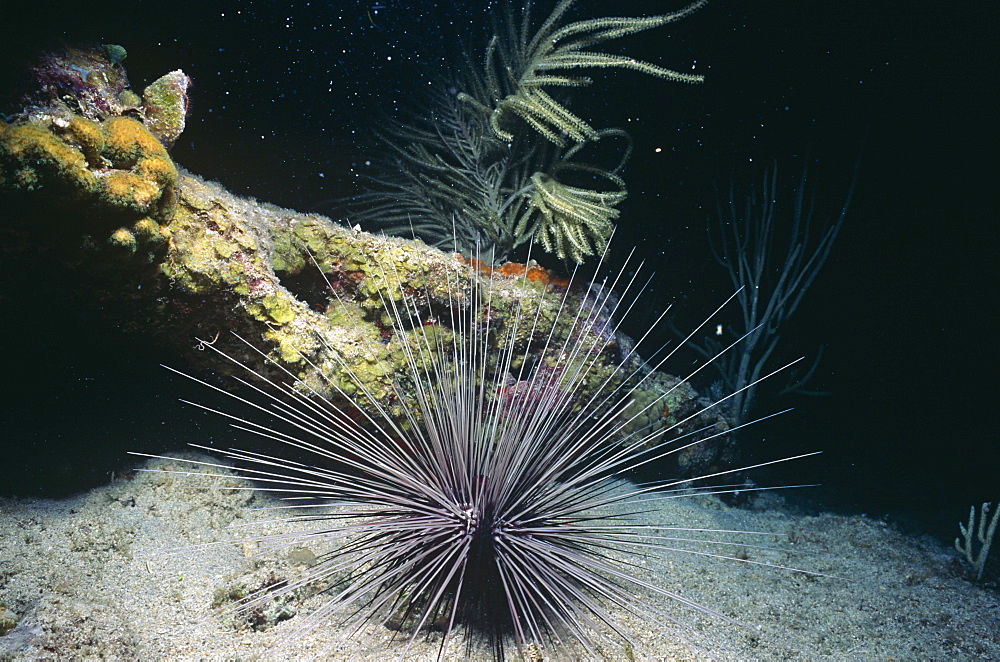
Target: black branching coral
496	159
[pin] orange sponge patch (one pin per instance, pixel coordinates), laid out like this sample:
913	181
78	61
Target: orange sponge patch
127	141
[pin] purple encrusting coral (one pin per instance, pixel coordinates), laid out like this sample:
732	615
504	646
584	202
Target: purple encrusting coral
90	82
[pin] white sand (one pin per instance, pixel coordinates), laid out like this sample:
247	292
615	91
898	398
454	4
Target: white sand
83	579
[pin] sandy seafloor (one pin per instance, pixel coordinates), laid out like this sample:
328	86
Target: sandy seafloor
86	578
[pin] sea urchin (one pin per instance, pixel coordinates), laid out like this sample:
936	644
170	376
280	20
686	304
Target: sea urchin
483	509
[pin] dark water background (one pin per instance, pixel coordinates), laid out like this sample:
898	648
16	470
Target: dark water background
285	95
